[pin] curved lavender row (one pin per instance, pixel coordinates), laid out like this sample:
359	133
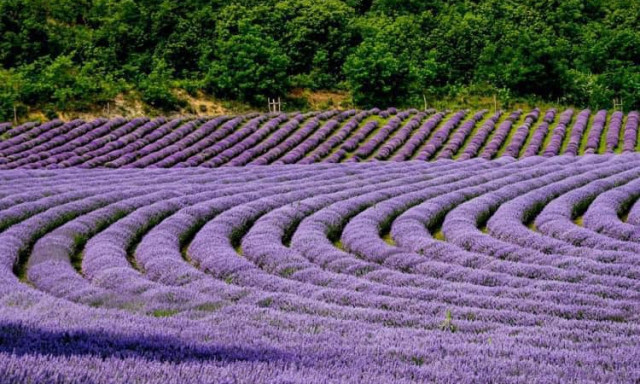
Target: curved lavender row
97	146
604	214
293	138
264	139
200	142
558	134
106	152
555	220
391	126
440	136
631	132
460	135
491	149
521	134
21	129
573	146
325	147
223	137
318	315
613	133
593	140
273	146
537	139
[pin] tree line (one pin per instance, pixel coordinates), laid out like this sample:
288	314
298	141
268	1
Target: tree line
74	54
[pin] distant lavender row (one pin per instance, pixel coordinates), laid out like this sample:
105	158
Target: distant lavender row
315	137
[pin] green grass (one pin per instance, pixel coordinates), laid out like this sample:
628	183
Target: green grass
388	239
438	234
209	307
164	312
578	221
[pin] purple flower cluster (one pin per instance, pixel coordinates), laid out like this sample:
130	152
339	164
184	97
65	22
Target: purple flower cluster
613	133
4	127
593	140
630	133
575	138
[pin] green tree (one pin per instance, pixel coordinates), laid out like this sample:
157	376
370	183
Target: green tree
249	66
377	77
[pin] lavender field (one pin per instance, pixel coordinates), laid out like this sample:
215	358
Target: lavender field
513	257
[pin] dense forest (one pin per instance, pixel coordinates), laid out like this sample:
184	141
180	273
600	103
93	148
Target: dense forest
75	54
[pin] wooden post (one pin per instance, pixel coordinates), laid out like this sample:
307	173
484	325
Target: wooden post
425	102
617	104
495	104
15	115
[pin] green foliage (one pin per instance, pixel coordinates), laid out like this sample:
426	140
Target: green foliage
155	87
250	66
72	55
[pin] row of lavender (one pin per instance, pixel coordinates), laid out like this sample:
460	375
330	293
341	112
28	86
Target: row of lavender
331	136
510	270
